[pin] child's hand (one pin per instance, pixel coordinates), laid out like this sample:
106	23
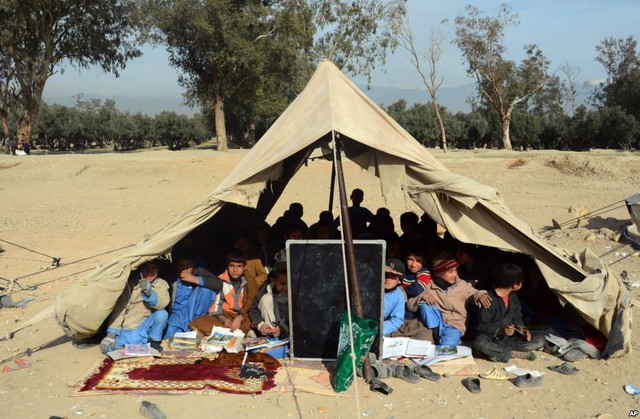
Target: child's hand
235	324
187	276
527	334
429	298
227	322
276	331
266	329
509	330
484	301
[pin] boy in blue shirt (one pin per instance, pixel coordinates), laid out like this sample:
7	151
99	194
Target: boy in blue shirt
394	297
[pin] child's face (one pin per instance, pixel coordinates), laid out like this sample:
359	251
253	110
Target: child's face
235	269
391	281
150	272
450	275
414	263
280	283
185	264
296	235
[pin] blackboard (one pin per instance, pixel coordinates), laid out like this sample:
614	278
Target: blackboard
317	296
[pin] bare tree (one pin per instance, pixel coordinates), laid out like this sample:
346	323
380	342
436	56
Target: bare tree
571	89
432	82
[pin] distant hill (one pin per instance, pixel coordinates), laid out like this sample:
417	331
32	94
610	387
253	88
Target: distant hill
454	98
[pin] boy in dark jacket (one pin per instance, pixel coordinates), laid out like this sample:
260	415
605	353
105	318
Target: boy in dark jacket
269	311
501	334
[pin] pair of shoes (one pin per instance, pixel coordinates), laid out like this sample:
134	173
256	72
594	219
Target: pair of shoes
565	368
425	372
381	370
108	343
528	380
494	374
472	384
404	372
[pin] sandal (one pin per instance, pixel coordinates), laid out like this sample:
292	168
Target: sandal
425	372
404	372
528	380
86	343
494	374
381	370
565	368
472	384
380	386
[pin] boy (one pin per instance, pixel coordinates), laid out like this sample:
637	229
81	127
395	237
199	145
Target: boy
231	304
415	281
394	298
139	315
501	334
193	295
269	312
446	296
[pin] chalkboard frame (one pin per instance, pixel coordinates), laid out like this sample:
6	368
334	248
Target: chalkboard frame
369	302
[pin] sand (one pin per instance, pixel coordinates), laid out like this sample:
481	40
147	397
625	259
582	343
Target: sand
83	207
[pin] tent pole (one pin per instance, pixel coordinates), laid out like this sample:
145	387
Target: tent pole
349	250
333	185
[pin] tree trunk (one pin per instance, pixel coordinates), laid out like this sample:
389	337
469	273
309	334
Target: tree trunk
443	134
221	130
506	122
5	123
25	126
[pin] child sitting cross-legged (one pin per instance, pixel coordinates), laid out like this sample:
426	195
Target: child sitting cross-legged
269	311
394	297
501	334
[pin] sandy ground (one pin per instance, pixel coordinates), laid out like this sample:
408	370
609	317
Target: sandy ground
78	206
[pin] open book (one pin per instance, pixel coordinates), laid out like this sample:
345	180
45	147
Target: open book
406	347
222	338
264	342
137	350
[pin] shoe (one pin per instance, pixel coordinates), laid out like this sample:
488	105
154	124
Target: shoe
472	384
108	343
380	386
565	368
404	372
528	380
494	374
425	372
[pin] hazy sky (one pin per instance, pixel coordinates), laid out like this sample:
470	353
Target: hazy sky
565	30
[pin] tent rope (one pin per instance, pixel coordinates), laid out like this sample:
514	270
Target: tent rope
593	213
54	260
346	287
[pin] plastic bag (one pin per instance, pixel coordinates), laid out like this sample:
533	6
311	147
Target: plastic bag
364	334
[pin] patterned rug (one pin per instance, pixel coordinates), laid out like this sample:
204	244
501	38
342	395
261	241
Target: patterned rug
177	375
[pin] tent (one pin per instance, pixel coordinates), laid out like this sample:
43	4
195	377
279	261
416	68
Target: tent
329	106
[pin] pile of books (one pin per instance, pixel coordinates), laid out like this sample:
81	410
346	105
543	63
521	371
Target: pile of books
263	343
184	341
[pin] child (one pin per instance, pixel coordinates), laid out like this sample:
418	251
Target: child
501	334
446	298
416	280
193	295
231	303
269	312
139	315
394	298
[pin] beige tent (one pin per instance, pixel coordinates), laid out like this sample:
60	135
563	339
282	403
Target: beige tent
331	105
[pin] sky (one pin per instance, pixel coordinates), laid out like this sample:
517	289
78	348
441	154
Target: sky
565	30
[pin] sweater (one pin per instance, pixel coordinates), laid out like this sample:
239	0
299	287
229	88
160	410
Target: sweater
393	311
133	307
452	301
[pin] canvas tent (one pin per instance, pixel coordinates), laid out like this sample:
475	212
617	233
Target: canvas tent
329	106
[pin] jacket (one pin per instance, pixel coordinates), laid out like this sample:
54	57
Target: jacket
231	298
493	319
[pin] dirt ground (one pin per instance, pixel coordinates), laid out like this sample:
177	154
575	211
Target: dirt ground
82	208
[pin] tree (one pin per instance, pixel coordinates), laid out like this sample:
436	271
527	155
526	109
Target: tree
432	56
502	84
39	35
621	61
571	89
233	53
356	34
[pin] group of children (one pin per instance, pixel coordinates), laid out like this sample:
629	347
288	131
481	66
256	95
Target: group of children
426	301
434	304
